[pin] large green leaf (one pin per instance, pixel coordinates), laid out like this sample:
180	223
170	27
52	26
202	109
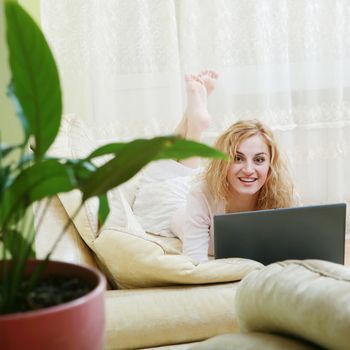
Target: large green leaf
14	241
36	182
181	149
82	169
106	149
35	85
135	155
103	209
4	179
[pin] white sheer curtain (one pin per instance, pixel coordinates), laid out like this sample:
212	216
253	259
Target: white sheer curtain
285	62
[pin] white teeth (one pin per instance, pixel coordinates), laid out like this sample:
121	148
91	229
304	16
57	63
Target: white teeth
246	179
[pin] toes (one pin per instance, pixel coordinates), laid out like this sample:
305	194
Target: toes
188	77
213	74
193	78
208	73
198	79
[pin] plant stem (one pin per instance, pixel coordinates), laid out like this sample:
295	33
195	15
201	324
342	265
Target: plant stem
65	227
41	267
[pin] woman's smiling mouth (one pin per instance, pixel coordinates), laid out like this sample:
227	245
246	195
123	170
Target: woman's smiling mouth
247	179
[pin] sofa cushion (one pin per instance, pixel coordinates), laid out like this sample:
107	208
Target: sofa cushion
253	341
308	299
148	317
142	261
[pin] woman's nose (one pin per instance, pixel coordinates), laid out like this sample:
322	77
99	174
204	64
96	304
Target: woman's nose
248	167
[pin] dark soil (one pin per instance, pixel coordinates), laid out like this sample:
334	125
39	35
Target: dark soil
52	291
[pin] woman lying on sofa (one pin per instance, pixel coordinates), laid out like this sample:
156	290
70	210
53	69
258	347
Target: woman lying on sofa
256	177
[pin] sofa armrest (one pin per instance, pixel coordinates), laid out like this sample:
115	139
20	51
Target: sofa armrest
150	317
49	223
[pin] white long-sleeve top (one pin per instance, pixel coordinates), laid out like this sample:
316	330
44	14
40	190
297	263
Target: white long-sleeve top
193	224
191	208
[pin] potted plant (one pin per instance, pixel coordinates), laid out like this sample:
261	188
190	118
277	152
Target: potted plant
72	316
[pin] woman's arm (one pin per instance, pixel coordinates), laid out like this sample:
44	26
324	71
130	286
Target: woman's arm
193	225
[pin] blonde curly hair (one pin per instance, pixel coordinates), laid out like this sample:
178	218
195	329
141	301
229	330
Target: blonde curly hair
277	191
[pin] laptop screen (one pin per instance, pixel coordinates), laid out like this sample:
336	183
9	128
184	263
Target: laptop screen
308	232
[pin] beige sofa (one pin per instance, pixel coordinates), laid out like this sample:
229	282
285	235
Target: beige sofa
145	317
160	298
157	296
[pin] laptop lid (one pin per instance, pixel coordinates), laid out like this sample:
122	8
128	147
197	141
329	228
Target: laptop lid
309	232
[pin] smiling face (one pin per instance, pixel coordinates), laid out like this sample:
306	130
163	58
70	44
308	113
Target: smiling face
248	172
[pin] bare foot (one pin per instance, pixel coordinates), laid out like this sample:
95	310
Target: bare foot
196	118
209	78
196	114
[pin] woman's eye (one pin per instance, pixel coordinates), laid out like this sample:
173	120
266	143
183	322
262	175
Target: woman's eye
259	160
238	159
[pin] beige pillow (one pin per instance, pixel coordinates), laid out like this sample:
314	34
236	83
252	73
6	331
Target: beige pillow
142	260
308	299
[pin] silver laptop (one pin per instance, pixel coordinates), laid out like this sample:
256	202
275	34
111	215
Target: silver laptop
309	232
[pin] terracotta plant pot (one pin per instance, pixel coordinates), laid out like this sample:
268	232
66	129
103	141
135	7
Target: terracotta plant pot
78	324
